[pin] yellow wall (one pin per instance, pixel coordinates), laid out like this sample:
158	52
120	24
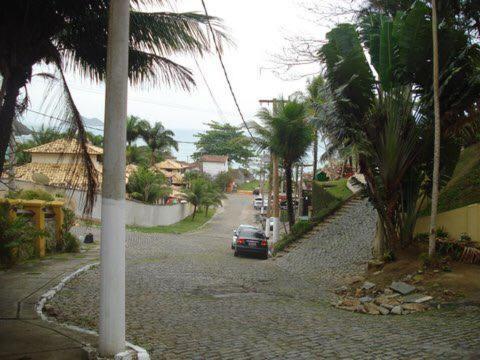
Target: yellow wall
455	222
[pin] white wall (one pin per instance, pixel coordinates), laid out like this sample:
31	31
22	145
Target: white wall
214	168
136	213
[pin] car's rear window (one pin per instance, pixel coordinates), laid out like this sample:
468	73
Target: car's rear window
251	233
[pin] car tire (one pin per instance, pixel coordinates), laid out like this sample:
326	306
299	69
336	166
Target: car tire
235	253
233	247
265	256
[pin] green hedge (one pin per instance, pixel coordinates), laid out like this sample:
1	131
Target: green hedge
327	197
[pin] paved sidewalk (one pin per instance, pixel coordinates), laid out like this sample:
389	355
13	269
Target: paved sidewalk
23	335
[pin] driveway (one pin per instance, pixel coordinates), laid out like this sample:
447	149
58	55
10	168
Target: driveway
189	297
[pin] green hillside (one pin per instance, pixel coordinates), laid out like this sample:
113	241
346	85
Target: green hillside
464	187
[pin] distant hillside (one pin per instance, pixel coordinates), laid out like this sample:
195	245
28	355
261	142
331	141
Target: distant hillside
464	187
92	122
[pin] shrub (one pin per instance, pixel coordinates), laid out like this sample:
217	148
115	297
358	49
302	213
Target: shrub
16	237
30	195
421	237
321	198
321	176
441	234
72	245
464	237
147	186
301	227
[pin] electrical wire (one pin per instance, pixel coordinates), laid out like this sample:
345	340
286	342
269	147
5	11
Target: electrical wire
86	126
219	53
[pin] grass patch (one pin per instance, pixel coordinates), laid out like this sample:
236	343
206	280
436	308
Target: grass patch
327	194
250	186
186	225
464	187
337	188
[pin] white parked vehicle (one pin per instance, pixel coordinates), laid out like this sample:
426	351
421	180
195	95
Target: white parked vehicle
258	202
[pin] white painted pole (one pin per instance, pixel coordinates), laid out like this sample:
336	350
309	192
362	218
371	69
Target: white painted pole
112	253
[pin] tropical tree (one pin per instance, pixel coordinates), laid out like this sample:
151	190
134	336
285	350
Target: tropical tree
389	116
213	196
159	140
223	179
96	140
68	34
196	194
147	186
315	100
291	136
224	139
135	128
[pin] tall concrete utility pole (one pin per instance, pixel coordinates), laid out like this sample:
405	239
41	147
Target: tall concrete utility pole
275	181
112	250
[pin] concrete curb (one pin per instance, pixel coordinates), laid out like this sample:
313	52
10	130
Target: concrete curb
134	350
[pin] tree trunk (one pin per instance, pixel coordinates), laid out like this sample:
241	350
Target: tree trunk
379	242
436	149
194	211
270	183
12	88
206	210
315	153
288	182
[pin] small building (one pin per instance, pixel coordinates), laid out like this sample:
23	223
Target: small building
213	164
59	163
173	171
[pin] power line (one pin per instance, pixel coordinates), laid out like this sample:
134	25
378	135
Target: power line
86	126
219	110
225	72
147	101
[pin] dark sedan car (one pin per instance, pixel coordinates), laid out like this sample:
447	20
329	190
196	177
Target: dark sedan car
251	241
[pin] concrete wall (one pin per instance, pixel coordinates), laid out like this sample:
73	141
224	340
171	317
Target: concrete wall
455	222
214	168
136	213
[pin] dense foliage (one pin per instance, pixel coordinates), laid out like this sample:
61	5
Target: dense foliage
388	115
72	35
224	139
147	186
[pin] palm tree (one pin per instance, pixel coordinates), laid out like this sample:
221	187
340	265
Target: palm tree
213	196
135	128
388	117
290	138
315	100
70	34
196	194
45	135
436	151
159	140
147	186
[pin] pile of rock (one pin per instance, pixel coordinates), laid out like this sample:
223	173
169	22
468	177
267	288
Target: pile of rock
399	298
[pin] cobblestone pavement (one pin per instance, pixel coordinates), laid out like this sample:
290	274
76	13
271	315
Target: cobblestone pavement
188	297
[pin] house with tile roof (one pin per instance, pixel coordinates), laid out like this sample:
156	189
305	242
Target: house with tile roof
213	164
173	171
59	163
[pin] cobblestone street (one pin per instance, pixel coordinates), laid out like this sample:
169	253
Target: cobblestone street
189	297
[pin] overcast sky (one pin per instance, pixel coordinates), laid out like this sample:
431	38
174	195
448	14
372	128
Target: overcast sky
257	28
